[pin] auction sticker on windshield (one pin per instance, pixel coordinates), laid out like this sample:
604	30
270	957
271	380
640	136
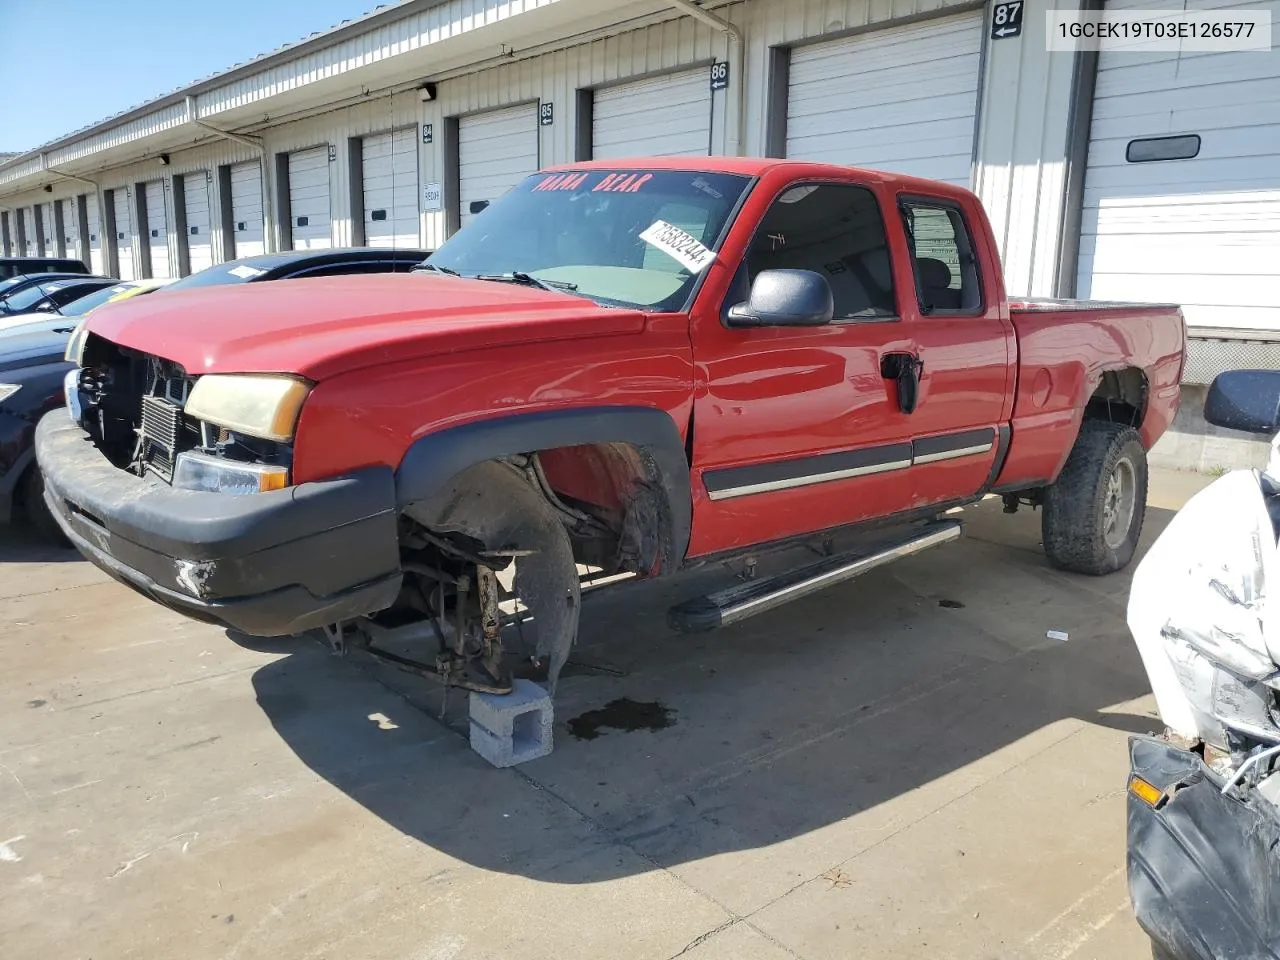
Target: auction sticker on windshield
680	246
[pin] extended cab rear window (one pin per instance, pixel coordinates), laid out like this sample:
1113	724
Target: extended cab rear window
944	262
634	238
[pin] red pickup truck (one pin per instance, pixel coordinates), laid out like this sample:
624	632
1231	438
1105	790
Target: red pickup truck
616	368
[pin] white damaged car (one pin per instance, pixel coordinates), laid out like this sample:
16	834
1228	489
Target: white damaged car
1204	799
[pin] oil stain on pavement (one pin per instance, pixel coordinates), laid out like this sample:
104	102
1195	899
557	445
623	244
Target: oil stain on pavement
624	714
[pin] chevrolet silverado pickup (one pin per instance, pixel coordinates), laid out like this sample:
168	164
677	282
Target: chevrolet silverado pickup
629	368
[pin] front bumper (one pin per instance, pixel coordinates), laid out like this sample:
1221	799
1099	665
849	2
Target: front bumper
270	564
16	454
1204	869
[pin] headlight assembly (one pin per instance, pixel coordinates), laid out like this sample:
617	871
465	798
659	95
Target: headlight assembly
263	406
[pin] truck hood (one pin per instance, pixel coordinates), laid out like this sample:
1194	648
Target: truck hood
318	328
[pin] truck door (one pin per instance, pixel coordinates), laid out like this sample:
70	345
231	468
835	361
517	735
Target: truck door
891	408
964	349
795	428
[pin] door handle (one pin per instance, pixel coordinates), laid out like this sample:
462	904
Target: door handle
905	369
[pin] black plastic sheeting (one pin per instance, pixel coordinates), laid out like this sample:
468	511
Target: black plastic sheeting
1204	869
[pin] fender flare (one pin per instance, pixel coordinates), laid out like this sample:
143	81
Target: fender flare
433	459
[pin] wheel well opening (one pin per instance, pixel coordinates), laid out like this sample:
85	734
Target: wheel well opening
1121	397
613	504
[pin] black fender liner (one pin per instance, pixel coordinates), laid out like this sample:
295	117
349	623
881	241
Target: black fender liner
430	463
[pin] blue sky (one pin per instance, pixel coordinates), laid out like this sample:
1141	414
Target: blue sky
58	77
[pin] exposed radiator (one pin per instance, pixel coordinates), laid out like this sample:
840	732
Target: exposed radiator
161	427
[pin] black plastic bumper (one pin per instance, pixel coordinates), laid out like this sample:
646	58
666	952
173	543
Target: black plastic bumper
1204	869
270	564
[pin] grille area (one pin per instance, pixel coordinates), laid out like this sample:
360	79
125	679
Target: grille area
133	408
160	429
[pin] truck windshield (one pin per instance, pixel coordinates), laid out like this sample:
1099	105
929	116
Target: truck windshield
634	238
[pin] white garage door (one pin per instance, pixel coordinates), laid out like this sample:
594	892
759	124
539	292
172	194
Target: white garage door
1203	231
309	199
902	100
496	150
49	233
195	199
666	116
96	262
71	228
390	169
157	229
124	234
246	209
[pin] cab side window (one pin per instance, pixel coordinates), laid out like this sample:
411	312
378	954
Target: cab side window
837	231
946	269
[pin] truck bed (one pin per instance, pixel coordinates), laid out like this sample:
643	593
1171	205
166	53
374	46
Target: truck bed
1064	349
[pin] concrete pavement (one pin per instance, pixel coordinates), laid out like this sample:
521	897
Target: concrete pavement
903	766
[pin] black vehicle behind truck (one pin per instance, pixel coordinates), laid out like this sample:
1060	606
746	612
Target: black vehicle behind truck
32	370
301	264
17	266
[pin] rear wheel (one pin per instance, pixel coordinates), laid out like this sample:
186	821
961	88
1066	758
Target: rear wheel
1093	513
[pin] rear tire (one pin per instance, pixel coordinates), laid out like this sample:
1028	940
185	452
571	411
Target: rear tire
1093	513
38	513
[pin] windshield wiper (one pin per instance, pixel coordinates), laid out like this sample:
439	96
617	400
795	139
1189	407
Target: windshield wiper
438	269
528	279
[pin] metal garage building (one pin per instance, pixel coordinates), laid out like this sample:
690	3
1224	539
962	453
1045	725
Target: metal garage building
398	127
1202	230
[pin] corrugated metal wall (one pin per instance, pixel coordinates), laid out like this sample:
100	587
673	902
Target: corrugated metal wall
205	157
1023	151
430	26
555	78
335	128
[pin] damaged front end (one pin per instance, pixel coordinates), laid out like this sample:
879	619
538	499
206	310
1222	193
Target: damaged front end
490	585
1204	800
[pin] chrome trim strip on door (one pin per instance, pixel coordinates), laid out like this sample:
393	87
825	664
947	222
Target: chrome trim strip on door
792	482
953	454
862	462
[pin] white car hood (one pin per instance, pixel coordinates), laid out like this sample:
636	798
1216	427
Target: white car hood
1203	609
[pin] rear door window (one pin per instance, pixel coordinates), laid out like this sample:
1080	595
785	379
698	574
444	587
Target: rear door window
946	269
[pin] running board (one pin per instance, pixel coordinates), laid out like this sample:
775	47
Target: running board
736	603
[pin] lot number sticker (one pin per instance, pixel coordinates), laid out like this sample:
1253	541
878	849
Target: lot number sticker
680	246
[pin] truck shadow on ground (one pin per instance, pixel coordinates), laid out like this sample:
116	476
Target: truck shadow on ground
801	718
20	544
